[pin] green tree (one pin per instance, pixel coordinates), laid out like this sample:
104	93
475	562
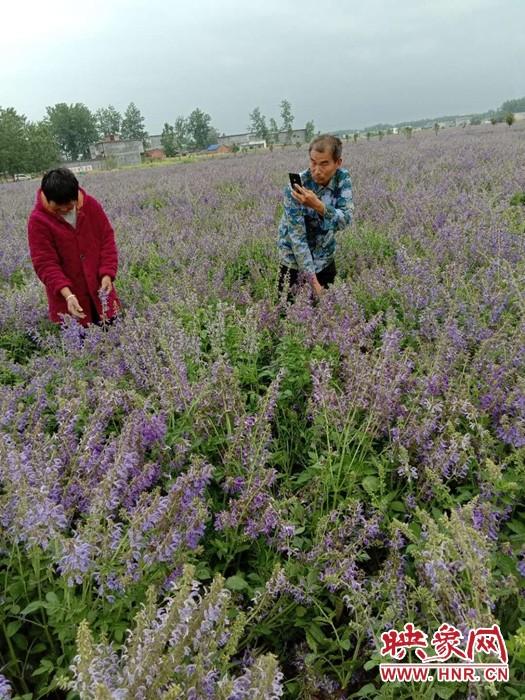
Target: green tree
213	135
380	134
133	124
287	117
510	118
258	124
273	131
436	128
13	144
408	132
309	131
199	128
74	128
180	133
109	120
42	149
356	136
368	135
167	140
513	106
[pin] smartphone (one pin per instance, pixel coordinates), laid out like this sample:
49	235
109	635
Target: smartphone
295	179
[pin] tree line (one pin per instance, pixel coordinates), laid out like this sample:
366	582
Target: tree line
270	131
196	129
68	130
65	133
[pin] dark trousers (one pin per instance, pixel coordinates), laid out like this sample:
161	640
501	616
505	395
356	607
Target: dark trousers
325	277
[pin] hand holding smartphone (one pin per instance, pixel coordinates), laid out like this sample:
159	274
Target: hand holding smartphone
295	179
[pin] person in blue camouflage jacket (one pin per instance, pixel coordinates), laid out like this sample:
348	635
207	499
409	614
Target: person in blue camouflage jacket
312	215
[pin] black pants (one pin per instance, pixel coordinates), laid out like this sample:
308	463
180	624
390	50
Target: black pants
325	277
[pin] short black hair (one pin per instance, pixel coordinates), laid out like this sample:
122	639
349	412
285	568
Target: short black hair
327	142
60	186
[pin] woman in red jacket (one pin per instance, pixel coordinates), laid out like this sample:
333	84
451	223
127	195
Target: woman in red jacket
73	250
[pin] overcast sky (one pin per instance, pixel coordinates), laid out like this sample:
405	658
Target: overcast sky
342	63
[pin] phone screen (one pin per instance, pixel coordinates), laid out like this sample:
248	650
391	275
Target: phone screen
295	179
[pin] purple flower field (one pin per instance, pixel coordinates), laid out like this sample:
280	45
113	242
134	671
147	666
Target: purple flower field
227	496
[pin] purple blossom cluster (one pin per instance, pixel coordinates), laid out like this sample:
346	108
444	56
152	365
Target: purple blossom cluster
127	451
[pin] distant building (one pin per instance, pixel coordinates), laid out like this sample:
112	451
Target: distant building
155	154
153	141
519	116
248	137
218	148
252	145
118	152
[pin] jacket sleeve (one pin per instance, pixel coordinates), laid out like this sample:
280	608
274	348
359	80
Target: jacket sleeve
108	249
296	230
339	216
45	258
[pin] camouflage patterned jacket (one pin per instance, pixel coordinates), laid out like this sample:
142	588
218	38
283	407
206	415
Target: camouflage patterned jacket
307	239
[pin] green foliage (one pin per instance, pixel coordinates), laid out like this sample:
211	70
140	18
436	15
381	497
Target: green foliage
199	129
13	144
517	199
287	119
168	140
133	124
273	131
25	147
74	128
309	131
258	124
18	345
517	105
109	121
250	267
42	148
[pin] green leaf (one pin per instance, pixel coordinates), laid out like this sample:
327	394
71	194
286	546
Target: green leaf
516	526
34	605
46	666
311	641
317	633
236	583
52	598
444	692
365	691
345	644
13	627
397	506
370	484
371	663
20	642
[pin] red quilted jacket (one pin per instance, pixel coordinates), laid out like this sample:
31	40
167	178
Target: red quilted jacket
78	258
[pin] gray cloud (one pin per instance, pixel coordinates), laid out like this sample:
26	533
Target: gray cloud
342	63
